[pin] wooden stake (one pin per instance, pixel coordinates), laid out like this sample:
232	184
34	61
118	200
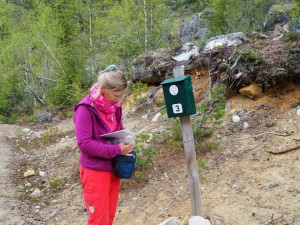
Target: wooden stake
190	157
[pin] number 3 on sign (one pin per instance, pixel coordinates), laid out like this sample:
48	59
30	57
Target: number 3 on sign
177	108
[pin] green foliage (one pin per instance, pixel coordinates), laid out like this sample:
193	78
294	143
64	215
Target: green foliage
201	166
41	56
297	2
173	139
138	90
56	182
219	16
14	100
237	15
144	151
293	36
214	109
251	55
50	136
206	146
51	50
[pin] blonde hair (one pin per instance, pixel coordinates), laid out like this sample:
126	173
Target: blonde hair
113	80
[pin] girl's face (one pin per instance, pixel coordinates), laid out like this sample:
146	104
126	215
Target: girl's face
112	96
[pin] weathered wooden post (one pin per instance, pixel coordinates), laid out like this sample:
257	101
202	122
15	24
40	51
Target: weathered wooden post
180	102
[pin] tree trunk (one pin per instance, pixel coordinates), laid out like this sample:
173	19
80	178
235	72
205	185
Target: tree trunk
145	27
91	39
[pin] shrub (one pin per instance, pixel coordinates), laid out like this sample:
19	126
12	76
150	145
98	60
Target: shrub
138	89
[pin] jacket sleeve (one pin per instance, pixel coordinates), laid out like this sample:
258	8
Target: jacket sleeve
85	141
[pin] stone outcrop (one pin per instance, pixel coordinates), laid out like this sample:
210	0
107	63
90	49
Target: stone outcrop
191	30
278	14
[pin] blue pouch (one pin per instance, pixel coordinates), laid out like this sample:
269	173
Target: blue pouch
123	166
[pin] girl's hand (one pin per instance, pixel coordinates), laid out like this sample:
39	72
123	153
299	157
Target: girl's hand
126	148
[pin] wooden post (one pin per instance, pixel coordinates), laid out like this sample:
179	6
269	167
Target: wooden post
190	156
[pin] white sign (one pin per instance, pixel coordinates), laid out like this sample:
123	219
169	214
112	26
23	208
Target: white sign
173	90
177	108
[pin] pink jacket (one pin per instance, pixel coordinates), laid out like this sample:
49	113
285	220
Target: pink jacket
95	152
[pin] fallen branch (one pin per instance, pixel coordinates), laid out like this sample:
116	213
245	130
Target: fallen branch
274	133
272	220
235	63
27	221
35	94
248	149
160	108
273	151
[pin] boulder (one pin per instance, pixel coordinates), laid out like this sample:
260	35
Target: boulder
278	14
153	67
232	39
252	91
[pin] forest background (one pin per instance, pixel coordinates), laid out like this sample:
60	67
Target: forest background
51	51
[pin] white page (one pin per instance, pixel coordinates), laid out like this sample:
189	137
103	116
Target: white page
120	136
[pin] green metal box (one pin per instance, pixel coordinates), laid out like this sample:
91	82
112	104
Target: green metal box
179	97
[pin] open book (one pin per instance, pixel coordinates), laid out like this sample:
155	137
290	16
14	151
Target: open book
120	136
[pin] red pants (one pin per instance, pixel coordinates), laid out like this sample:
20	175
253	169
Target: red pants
100	192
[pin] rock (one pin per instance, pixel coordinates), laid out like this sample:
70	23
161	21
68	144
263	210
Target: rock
54	213
295	190
153	67
298	112
198	220
26	130
216	220
42	174
232	39
29	173
245	125
191	30
170	221
186	52
236	119
252	91
36	193
37	134
44	115
155	118
296	25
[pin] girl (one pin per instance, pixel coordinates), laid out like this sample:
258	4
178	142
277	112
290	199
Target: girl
99	113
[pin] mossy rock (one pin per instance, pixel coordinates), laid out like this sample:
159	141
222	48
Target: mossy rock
280	14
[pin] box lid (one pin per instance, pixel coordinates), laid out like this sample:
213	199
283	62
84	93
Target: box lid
175	79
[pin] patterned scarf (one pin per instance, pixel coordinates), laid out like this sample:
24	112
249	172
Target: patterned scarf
103	105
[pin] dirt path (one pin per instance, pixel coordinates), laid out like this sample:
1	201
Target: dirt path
8	200
244	183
